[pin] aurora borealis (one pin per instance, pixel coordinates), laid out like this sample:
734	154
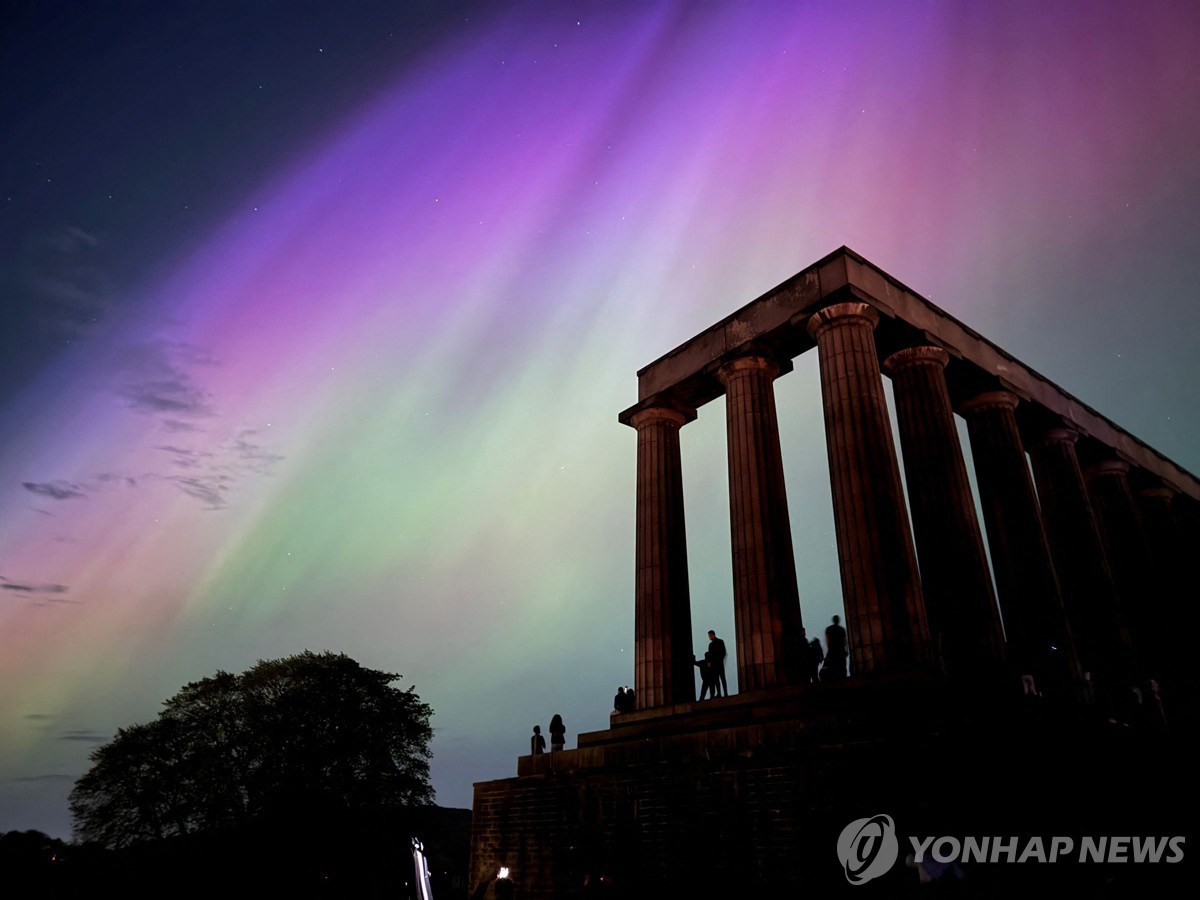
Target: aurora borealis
316	320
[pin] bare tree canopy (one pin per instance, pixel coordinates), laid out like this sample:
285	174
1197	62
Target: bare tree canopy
300	735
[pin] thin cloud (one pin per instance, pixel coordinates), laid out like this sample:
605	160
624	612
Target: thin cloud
255	457
207	488
187	457
72	239
86	735
56	601
174	392
211	476
38	594
55	490
156	380
113	479
24	588
69	280
181	457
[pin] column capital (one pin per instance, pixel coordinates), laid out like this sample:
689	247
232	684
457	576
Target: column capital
753	363
990	400
1107	467
916	356
841	313
656	414
1159	493
1061	435
661	408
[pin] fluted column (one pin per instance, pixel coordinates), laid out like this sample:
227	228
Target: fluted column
1035	624
1170	526
885	615
663	671
964	623
1158	520
1127	549
1088	590
765	600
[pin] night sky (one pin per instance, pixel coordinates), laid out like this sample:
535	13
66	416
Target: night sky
316	317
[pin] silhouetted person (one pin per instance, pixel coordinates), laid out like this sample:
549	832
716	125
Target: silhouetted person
708	676
716	655
815	657
834	668
809	655
558	733
537	743
630	699
619	700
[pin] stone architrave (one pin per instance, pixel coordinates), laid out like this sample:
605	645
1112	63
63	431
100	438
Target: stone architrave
960	604
885	614
1088	590
663	672
1035	625
766	602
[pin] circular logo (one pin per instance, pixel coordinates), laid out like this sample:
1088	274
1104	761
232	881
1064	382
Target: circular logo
868	848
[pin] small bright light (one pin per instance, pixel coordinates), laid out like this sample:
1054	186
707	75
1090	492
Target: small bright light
503	873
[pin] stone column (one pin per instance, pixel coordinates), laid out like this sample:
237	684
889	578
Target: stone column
1088	590
663	672
1170	520
765	600
885	615
964	623
1158	520
1128	551
1035	625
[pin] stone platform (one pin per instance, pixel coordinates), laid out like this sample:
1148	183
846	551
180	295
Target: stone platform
745	796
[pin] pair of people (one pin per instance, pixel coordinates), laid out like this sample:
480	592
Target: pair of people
712	669
811	657
624	701
558	737
828	664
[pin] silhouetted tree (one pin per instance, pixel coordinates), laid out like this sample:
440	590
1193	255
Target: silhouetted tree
308	734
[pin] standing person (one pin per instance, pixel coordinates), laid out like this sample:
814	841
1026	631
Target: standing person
815	657
558	733
716	656
537	743
835	652
708	676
